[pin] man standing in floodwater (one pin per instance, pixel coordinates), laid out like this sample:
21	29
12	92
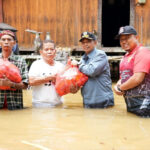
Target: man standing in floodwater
42	76
134	83
13	98
97	91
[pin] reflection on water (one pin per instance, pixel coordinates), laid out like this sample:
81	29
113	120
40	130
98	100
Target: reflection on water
71	127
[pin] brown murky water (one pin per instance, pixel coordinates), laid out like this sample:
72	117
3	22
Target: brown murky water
72	127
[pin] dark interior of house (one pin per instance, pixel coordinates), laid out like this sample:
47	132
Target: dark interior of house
115	13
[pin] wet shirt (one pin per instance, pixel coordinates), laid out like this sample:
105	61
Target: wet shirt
15	98
136	61
97	92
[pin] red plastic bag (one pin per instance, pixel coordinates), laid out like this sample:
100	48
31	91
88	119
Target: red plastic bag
68	77
10	71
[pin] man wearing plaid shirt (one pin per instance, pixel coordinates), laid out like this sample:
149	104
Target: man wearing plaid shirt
12	99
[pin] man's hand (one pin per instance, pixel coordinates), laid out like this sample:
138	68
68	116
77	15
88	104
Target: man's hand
34	81
74	88
51	78
74	62
117	91
5	82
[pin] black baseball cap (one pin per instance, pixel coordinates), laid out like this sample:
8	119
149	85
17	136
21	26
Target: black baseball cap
125	31
87	35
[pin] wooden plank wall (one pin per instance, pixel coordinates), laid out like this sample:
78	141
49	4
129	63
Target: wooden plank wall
142	22
64	19
1	12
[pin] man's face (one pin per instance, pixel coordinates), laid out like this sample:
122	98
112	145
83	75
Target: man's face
48	51
88	45
128	42
7	42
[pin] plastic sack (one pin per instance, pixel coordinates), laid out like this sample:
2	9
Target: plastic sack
9	70
68	77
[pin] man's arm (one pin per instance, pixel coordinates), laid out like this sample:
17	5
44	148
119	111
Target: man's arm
24	74
116	90
95	67
7	82
35	77
134	81
19	85
34	81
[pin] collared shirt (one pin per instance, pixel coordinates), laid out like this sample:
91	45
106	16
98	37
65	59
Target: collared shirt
97	91
137	98
15	98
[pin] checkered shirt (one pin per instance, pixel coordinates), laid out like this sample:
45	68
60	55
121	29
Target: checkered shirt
15	98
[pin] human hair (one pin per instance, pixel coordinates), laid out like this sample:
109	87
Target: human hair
46	41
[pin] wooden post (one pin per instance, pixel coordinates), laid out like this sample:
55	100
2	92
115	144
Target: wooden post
1	10
99	30
132	12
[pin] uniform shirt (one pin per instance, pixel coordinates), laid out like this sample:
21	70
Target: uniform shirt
44	95
97	91
138	60
15	98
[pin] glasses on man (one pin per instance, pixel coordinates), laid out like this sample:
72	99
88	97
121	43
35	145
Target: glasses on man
125	38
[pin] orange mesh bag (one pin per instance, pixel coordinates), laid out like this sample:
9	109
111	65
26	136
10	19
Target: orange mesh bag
2	74
2	68
10	71
68	77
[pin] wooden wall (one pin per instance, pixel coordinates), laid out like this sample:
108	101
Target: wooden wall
64	19
142	22
1	12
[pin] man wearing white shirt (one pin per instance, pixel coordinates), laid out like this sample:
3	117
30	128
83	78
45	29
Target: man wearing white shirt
42	75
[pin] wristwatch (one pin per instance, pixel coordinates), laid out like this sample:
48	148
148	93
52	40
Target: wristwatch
118	88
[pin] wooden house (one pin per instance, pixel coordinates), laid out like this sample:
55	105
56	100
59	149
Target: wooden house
67	19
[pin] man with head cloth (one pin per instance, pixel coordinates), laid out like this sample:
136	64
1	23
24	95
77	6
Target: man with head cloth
12	99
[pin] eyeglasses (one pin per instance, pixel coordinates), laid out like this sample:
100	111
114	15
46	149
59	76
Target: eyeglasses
125	38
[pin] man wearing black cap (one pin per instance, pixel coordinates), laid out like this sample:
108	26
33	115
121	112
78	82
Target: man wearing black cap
97	91
134	83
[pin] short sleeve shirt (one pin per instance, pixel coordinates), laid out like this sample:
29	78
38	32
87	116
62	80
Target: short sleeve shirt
136	61
45	93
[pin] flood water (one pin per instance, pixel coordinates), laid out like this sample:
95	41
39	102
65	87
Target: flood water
71	127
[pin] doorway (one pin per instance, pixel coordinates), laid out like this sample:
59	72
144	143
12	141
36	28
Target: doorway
115	13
